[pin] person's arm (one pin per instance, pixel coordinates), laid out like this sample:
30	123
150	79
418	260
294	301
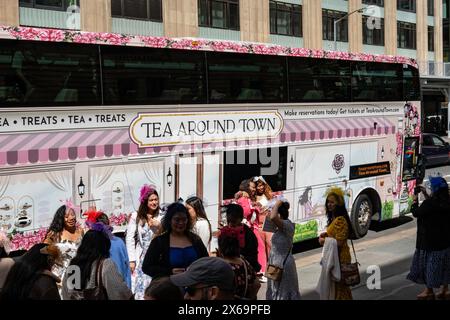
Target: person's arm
131	242
275	216
419	210
153	264
204	232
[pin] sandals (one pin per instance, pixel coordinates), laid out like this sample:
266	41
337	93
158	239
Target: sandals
443	296
428	296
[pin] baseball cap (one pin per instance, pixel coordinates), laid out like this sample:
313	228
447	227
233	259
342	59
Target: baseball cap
212	271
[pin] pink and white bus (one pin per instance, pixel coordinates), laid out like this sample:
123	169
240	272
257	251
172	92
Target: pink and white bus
94	116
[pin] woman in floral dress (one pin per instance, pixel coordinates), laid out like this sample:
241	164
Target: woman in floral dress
142	227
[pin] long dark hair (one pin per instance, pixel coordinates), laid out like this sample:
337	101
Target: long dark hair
197	204
3	253
340	211
94	247
143	207
24	273
57	225
245	186
229	246
304	197
173	209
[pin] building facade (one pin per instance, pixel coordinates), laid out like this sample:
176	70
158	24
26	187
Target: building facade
412	28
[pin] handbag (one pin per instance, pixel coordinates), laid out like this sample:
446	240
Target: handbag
274	272
98	292
350	271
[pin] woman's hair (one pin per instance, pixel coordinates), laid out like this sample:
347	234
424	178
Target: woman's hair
3	253
245	186
229	245
24	273
340	211
197	204
94	247
304	198
164	290
234	212
267	188
172	210
143	207
57	225
283	210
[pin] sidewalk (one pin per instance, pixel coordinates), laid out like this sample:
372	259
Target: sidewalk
391	250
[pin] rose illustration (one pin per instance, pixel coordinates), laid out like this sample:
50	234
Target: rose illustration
338	163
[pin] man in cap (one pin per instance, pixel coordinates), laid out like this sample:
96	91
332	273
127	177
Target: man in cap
208	278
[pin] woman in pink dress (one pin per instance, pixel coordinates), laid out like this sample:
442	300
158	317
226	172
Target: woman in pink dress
252	217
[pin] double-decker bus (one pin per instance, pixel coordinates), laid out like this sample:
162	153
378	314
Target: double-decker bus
94	116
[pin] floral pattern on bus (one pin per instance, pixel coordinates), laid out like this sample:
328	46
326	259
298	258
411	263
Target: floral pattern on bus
412	120
25	240
54	35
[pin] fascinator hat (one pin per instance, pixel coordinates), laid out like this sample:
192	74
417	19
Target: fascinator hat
437	183
259	178
145	192
93	224
338	193
4	242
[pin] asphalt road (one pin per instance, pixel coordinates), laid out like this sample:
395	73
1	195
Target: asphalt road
389	246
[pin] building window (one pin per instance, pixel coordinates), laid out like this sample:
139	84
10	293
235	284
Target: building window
137	9
223	14
430	38
406	5
379	3
372	35
285	19
328	18
60	5
406	36
430	8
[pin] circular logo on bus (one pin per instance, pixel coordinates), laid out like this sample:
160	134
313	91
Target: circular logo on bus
338	163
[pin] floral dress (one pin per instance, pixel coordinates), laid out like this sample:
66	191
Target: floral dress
143	280
338	229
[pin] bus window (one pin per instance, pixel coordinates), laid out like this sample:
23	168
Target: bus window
145	76
246	78
39	74
270	163
376	81
411	83
318	80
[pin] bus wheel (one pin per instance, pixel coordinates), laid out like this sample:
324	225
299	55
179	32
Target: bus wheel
362	215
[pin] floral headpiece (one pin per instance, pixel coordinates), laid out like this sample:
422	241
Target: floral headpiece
4	242
53	253
146	190
437	183
234	232
70	205
260	178
92	215
338	193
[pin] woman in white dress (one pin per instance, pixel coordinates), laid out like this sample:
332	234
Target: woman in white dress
142	227
66	235
200	223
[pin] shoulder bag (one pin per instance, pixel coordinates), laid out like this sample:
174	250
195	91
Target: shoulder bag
350	271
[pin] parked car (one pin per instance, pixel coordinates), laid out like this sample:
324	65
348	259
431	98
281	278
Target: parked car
435	150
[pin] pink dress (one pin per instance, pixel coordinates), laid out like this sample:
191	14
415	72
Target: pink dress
249	212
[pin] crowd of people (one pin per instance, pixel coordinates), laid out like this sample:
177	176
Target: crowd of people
167	253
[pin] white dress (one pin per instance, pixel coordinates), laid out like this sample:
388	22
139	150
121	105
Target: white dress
201	228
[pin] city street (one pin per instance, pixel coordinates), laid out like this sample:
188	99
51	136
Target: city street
389	245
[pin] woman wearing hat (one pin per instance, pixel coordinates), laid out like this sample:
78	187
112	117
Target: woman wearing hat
144	224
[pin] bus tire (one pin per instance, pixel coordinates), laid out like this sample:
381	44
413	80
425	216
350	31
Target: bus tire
362	211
